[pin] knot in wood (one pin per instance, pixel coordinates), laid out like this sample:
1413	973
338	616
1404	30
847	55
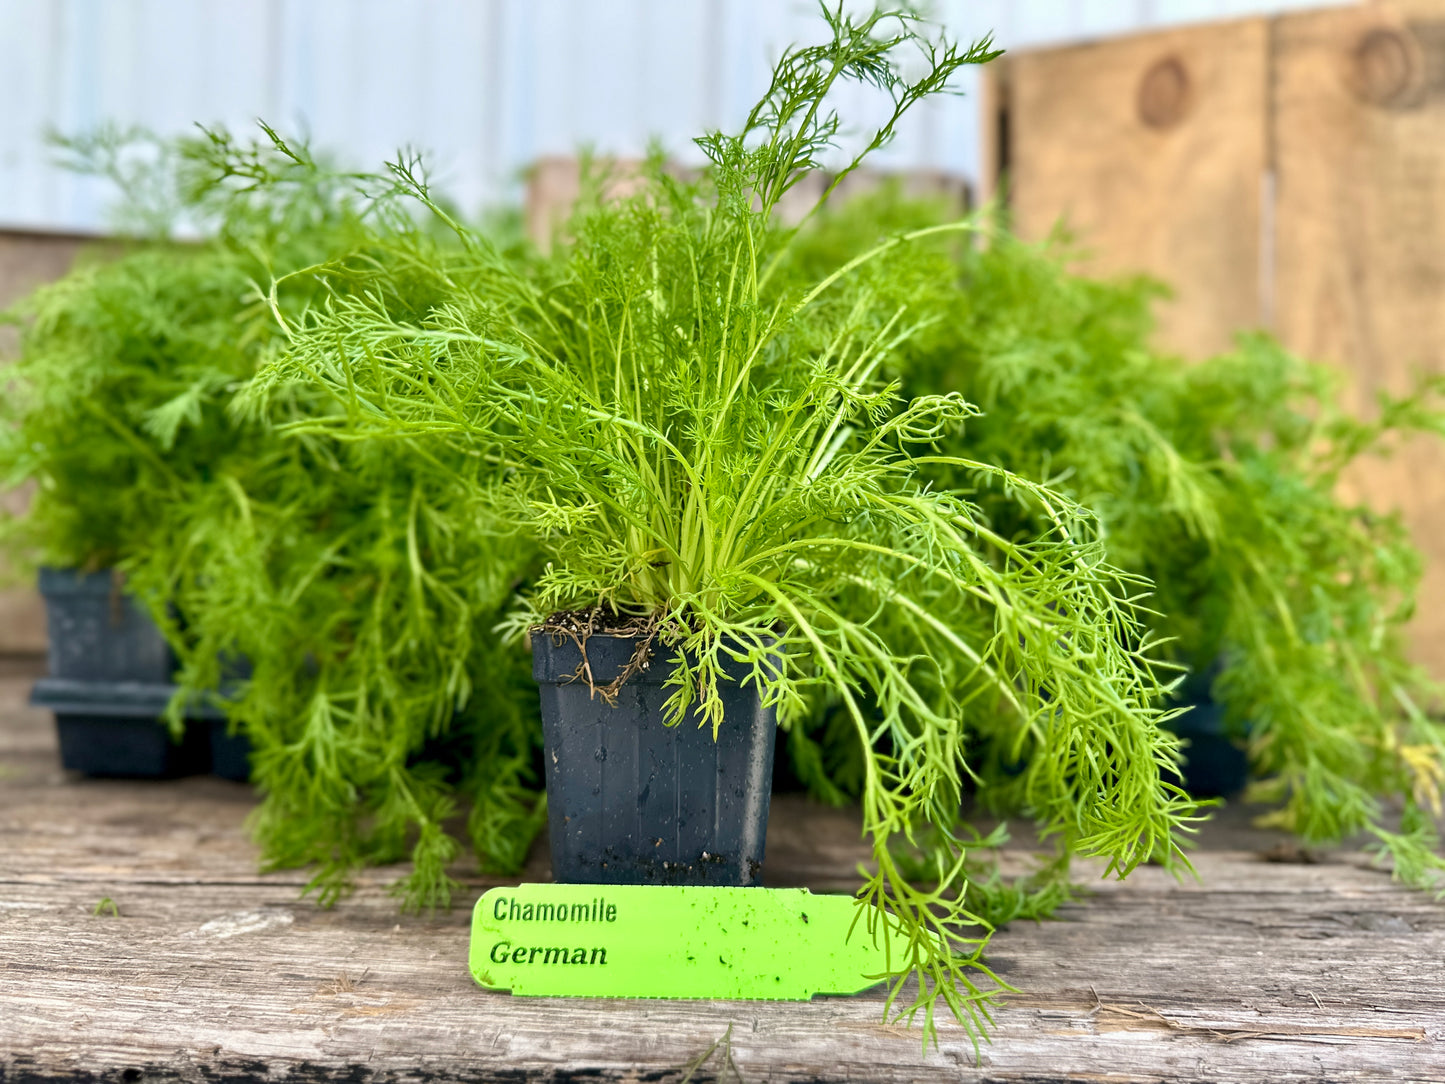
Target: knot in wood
1165	93
1385	68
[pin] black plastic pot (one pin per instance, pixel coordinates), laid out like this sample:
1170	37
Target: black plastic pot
1214	766
114	729
99	633
230	750
110	683
230	753
633	801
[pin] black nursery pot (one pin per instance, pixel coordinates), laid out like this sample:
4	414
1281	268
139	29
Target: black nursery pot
99	633
633	801
230	749
110	683
230	753
1214	766
114	729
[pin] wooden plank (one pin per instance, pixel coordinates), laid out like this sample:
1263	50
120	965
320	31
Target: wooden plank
995	126
1359	149
554	183
1255	972
952	190
1152	149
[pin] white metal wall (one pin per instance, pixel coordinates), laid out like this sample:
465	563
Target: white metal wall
484	86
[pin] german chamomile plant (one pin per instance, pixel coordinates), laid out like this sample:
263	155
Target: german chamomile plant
695	445
356	580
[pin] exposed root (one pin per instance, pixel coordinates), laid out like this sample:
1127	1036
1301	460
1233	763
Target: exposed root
579	626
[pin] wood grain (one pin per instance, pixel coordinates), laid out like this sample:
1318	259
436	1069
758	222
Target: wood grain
1359	149
1256	972
1151	148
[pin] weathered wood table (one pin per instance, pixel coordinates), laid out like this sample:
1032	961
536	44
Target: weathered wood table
1261	970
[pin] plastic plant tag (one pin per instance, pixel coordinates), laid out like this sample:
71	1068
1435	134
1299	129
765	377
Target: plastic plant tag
773	944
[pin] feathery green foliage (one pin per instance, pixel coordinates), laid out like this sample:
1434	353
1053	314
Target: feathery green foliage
689	438
339	597
116	401
1217	481
360	583
359	588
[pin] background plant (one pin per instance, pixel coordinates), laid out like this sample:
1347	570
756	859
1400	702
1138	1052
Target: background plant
360	583
338	596
116	400
1220	483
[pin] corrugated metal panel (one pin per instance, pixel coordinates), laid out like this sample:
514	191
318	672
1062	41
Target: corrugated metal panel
483	86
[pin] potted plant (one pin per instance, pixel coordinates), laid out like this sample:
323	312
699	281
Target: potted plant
358	580
116	409
114	401
729	500
1284	602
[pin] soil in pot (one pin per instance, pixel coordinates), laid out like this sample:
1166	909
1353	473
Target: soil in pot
631	800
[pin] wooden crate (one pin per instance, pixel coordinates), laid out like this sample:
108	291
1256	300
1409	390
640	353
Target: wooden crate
1283	173
1152	149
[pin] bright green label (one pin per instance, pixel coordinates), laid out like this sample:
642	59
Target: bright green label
774	944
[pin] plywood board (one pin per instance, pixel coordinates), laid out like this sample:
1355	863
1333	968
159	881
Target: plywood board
1152	149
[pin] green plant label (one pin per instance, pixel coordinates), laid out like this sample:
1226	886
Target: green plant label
774	944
